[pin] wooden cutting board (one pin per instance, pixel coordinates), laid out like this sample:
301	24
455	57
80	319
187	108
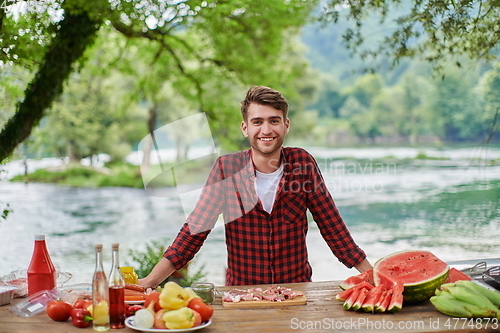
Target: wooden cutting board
299	300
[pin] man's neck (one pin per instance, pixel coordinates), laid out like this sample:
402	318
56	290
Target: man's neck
266	163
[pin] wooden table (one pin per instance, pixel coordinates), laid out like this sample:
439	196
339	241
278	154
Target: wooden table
321	314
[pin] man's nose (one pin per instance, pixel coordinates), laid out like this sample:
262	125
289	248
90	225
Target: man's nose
266	128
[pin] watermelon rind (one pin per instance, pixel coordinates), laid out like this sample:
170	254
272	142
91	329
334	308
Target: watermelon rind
372	297
414	292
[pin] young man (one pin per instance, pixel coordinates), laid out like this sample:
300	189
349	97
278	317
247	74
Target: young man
263	194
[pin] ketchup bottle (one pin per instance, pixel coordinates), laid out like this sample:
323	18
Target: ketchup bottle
41	271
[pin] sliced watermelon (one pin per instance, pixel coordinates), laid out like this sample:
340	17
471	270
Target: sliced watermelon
349	302
360	300
356	290
455	275
372	298
366	276
420	273
396	303
380	300
383	303
342	296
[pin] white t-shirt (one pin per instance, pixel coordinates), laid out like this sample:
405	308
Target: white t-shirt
266	185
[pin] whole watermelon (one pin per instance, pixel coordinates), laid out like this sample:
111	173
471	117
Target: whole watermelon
420	273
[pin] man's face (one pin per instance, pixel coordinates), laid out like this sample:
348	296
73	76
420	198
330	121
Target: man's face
265	128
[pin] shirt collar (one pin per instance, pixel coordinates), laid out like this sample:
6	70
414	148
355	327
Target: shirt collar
250	168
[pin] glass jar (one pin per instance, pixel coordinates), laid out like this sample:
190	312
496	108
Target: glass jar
205	290
129	275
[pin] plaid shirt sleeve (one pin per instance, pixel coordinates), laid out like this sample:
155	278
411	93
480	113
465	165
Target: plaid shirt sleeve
200	222
330	223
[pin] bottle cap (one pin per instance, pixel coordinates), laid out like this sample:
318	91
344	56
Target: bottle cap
115	246
98	247
39	237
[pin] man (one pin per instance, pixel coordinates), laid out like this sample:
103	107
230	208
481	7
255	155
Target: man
263	194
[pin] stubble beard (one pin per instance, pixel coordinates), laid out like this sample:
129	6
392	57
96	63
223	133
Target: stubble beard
266	151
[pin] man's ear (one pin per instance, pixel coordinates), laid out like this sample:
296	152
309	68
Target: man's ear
244	129
287	125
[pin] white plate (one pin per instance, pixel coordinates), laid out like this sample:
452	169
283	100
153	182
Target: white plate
129	322
135	302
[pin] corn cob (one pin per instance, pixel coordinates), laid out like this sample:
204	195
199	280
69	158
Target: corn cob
492	295
456	308
470	296
450	307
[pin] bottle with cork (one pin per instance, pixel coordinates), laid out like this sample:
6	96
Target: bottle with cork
100	294
116	291
41	271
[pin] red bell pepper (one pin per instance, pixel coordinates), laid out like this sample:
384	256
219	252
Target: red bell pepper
81	317
130	309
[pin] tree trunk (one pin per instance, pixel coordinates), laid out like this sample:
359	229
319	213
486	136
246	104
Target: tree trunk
146	150
76	33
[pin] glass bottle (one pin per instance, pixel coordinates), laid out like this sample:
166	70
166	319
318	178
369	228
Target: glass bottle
116	292
41	271
100	294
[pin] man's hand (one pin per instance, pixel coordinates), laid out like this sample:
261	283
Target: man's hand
364	266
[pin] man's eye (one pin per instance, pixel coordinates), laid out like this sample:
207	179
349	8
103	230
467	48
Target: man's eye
256	123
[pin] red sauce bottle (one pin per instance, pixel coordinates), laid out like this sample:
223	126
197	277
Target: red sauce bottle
116	292
41	271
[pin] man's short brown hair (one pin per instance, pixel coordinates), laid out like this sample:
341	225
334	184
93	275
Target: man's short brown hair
264	96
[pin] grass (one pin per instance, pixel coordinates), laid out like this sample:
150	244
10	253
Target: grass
117	174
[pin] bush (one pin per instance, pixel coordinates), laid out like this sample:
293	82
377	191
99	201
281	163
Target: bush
145	261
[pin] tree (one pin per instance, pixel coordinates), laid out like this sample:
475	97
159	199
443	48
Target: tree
399	110
75	33
450	101
243	39
489	86
437	31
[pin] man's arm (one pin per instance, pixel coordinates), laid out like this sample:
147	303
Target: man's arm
363	266
163	269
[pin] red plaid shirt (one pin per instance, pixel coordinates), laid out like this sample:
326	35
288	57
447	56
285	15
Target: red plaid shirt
265	248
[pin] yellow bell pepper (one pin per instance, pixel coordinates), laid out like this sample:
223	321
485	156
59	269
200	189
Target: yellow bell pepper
173	296
179	319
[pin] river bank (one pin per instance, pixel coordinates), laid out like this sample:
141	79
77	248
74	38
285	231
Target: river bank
448	206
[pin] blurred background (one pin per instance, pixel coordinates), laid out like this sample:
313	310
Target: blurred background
398	103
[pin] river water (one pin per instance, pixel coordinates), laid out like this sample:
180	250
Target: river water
449	206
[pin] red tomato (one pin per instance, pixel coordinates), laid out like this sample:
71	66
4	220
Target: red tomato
131	309
197	318
154	296
205	310
59	310
82	303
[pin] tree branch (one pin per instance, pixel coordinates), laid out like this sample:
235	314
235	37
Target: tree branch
76	33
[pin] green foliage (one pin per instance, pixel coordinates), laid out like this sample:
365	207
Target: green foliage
208	54
436	31
144	261
75	175
76	32
117	173
5	210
